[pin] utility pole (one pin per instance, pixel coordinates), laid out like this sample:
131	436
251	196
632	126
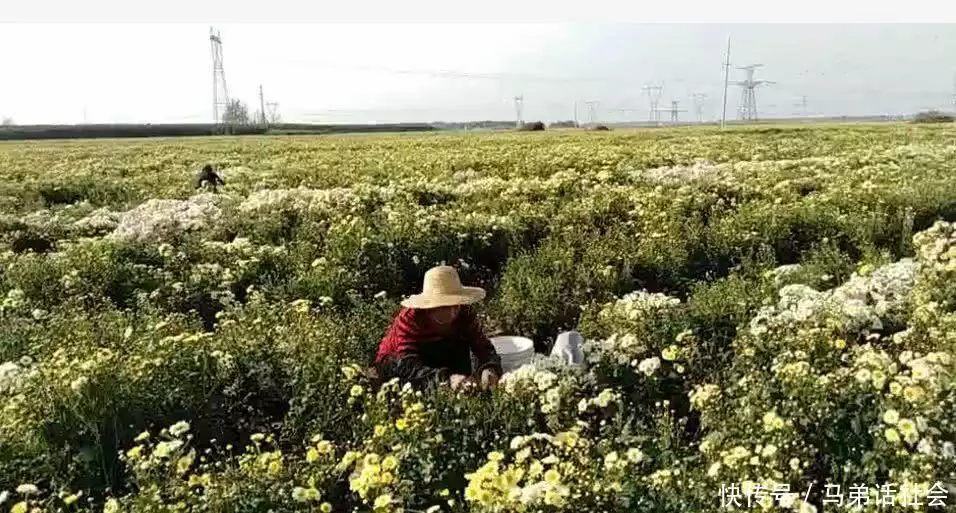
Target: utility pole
519	104
654	93
699	106
576	114
747	110
220	93
262	107
723	115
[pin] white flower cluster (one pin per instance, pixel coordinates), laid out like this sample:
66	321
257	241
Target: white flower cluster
699	170
10	376
301	199
936	246
159	219
781	273
861	303
639	304
98	221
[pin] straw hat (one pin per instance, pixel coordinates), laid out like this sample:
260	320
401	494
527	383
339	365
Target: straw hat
442	287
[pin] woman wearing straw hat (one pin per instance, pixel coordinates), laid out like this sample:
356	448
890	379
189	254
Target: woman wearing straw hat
434	334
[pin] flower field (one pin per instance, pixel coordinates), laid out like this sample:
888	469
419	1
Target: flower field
770	318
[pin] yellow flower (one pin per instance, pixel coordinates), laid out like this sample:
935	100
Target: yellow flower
892	435
310	494
135	452
325	507
769	451
552	477
325	447
382	501
907	427
311	455
390	463
401	424
634	455
70	499
142	437
912	393
111	506
839	343
496	456
356	391
183	464
895	388
20	507
879	379
670	353
379	430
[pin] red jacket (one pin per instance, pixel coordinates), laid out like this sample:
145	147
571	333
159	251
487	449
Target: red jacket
424	353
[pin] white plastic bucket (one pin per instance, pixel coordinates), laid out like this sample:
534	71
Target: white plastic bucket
513	351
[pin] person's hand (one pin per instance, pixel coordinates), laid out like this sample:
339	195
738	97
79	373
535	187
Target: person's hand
459	381
489	379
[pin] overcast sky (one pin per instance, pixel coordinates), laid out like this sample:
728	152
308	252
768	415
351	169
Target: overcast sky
386	73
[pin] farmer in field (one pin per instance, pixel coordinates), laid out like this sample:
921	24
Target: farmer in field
434	334
209	178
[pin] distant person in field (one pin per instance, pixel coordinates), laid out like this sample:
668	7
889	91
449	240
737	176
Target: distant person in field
209	178
433	336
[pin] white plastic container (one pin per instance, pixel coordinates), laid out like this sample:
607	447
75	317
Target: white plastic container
514	351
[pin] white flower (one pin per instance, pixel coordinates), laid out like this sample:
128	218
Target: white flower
891	416
28	489
78	383
714	469
649	365
634	455
178	429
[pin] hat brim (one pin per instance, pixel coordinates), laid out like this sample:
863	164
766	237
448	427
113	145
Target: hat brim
467	296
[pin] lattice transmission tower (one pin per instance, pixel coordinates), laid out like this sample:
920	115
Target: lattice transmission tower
699	99
747	110
220	93
675	111
519	106
654	92
592	106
